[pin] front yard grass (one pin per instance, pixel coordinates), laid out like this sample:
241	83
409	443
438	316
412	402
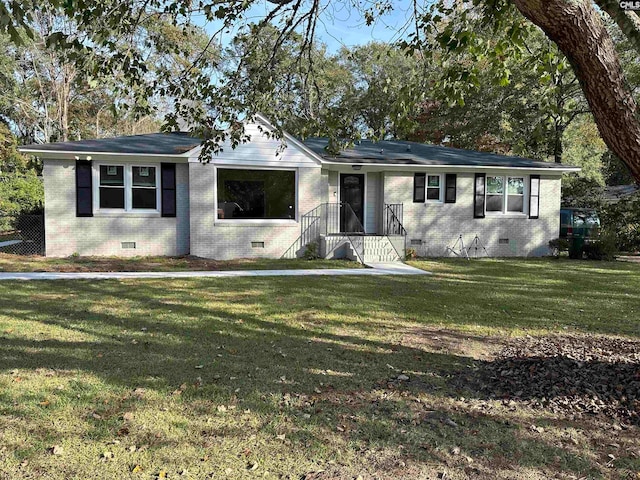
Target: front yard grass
21	263
296	377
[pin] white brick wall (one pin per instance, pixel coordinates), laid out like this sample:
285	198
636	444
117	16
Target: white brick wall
67	234
438	225
196	231
224	240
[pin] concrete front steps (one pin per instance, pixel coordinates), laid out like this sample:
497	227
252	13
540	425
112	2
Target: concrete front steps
362	248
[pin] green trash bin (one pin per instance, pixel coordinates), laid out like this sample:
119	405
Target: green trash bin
576	247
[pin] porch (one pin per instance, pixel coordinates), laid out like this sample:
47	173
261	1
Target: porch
335	230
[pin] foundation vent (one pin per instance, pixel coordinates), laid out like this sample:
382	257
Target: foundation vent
257	244
128	244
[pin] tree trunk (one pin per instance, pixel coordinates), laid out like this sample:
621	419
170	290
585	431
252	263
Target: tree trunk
557	142
576	27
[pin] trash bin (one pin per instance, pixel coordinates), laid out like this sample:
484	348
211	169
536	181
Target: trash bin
576	247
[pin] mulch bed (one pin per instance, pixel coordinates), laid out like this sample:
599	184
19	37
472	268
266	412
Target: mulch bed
571	374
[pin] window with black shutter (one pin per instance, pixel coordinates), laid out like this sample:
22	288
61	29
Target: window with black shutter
419	187
168	187
84	190
450	186
478	203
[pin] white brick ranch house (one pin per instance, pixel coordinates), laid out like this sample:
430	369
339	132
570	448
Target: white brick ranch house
151	195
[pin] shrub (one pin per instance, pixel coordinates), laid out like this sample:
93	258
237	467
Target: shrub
311	251
21	194
622	220
603	249
558	246
410	254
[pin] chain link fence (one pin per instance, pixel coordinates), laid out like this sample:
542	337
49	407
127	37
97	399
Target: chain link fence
22	234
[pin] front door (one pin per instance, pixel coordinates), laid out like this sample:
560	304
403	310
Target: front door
352	192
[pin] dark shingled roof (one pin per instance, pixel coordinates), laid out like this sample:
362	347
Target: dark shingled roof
175	143
416	154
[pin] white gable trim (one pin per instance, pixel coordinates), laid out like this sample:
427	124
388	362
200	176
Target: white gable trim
262	150
293	140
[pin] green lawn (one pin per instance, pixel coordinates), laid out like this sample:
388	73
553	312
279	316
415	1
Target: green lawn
21	263
283	377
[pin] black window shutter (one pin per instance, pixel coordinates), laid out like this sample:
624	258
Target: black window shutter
84	190
168	186
419	187
478	191
450	185
534	196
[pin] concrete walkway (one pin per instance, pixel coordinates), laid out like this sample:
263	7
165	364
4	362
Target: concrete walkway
376	269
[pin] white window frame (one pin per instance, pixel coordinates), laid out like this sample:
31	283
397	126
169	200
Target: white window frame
255	221
505	196
128	188
440	188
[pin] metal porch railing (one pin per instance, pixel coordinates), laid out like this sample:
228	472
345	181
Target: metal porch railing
329	219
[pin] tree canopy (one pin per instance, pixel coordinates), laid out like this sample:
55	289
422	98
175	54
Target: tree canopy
475	44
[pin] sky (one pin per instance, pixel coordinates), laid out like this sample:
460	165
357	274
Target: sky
340	23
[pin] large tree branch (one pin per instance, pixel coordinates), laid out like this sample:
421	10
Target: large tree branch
576	27
628	21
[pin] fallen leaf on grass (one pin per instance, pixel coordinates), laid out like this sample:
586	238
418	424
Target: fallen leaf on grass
45	403
180	389
136	469
106	455
56	450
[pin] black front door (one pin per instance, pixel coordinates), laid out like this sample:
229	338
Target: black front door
352	193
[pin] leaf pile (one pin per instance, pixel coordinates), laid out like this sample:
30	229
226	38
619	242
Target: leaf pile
586	374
